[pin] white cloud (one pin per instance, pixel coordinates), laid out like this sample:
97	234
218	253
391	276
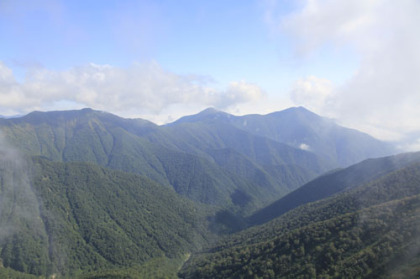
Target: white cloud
413	145
383	96
240	92
335	21
142	89
312	92
6	75
305	147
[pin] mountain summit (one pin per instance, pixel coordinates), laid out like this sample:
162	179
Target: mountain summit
209	114
302	129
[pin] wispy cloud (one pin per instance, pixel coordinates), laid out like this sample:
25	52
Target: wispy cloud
313	92
137	90
383	95
18	201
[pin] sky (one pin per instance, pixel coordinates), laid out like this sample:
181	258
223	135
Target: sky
357	62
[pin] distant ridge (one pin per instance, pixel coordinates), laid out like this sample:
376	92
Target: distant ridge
209	114
168	154
302	129
280	151
333	183
277	152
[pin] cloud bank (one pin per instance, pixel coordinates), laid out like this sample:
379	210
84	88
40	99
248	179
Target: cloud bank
141	89
383	96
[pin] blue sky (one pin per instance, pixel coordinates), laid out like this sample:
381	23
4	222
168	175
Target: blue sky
228	40
160	60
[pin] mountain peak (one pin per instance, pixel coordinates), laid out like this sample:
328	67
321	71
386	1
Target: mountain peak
296	111
301	109
209	110
213	112
209	114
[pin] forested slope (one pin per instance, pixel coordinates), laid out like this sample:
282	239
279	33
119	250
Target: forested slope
117	143
301	128
79	217
367	232
263	154
89	194
334	182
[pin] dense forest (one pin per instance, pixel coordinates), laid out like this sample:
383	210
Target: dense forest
79	217
87	194
366	232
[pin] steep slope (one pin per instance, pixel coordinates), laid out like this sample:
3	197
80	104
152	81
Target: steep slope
371	231
229	161
79	217
117	143
300	128
263	151
204	181
287	177
84	136
288	167
334	182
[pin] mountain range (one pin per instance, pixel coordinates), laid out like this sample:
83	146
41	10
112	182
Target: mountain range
302	129
370	230
92	195
234	158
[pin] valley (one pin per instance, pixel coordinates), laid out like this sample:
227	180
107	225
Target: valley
88	194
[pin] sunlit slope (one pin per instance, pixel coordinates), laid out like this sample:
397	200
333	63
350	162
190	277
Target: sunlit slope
370	231
84	136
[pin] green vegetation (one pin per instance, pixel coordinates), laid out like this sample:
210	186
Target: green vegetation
332	183
98	196
189	157
366	232
8	273
159	268
90	218
297	126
